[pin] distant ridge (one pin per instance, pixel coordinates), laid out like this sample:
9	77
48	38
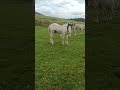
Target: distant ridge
78	19
38	13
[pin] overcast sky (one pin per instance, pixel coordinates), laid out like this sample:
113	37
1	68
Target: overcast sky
61	8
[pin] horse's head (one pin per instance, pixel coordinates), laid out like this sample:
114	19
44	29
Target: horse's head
69	28
71	25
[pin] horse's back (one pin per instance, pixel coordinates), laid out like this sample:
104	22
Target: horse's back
79	26
54	26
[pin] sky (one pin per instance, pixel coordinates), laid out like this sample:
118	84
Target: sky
61	8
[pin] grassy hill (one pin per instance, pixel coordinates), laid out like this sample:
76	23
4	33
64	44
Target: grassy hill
43	20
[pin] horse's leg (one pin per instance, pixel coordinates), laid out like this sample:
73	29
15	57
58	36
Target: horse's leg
69	34
80	31
63	39
67	39
61	35
75	32
51	38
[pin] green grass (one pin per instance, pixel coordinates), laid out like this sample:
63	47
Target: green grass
59	67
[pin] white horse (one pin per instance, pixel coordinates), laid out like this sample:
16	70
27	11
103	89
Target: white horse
79	27
64	31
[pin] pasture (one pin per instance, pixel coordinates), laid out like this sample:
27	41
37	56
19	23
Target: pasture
59	67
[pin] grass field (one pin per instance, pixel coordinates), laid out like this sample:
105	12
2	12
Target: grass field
59	67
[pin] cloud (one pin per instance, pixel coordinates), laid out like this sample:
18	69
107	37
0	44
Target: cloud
61	8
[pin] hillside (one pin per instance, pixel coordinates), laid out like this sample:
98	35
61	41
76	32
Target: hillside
43	20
